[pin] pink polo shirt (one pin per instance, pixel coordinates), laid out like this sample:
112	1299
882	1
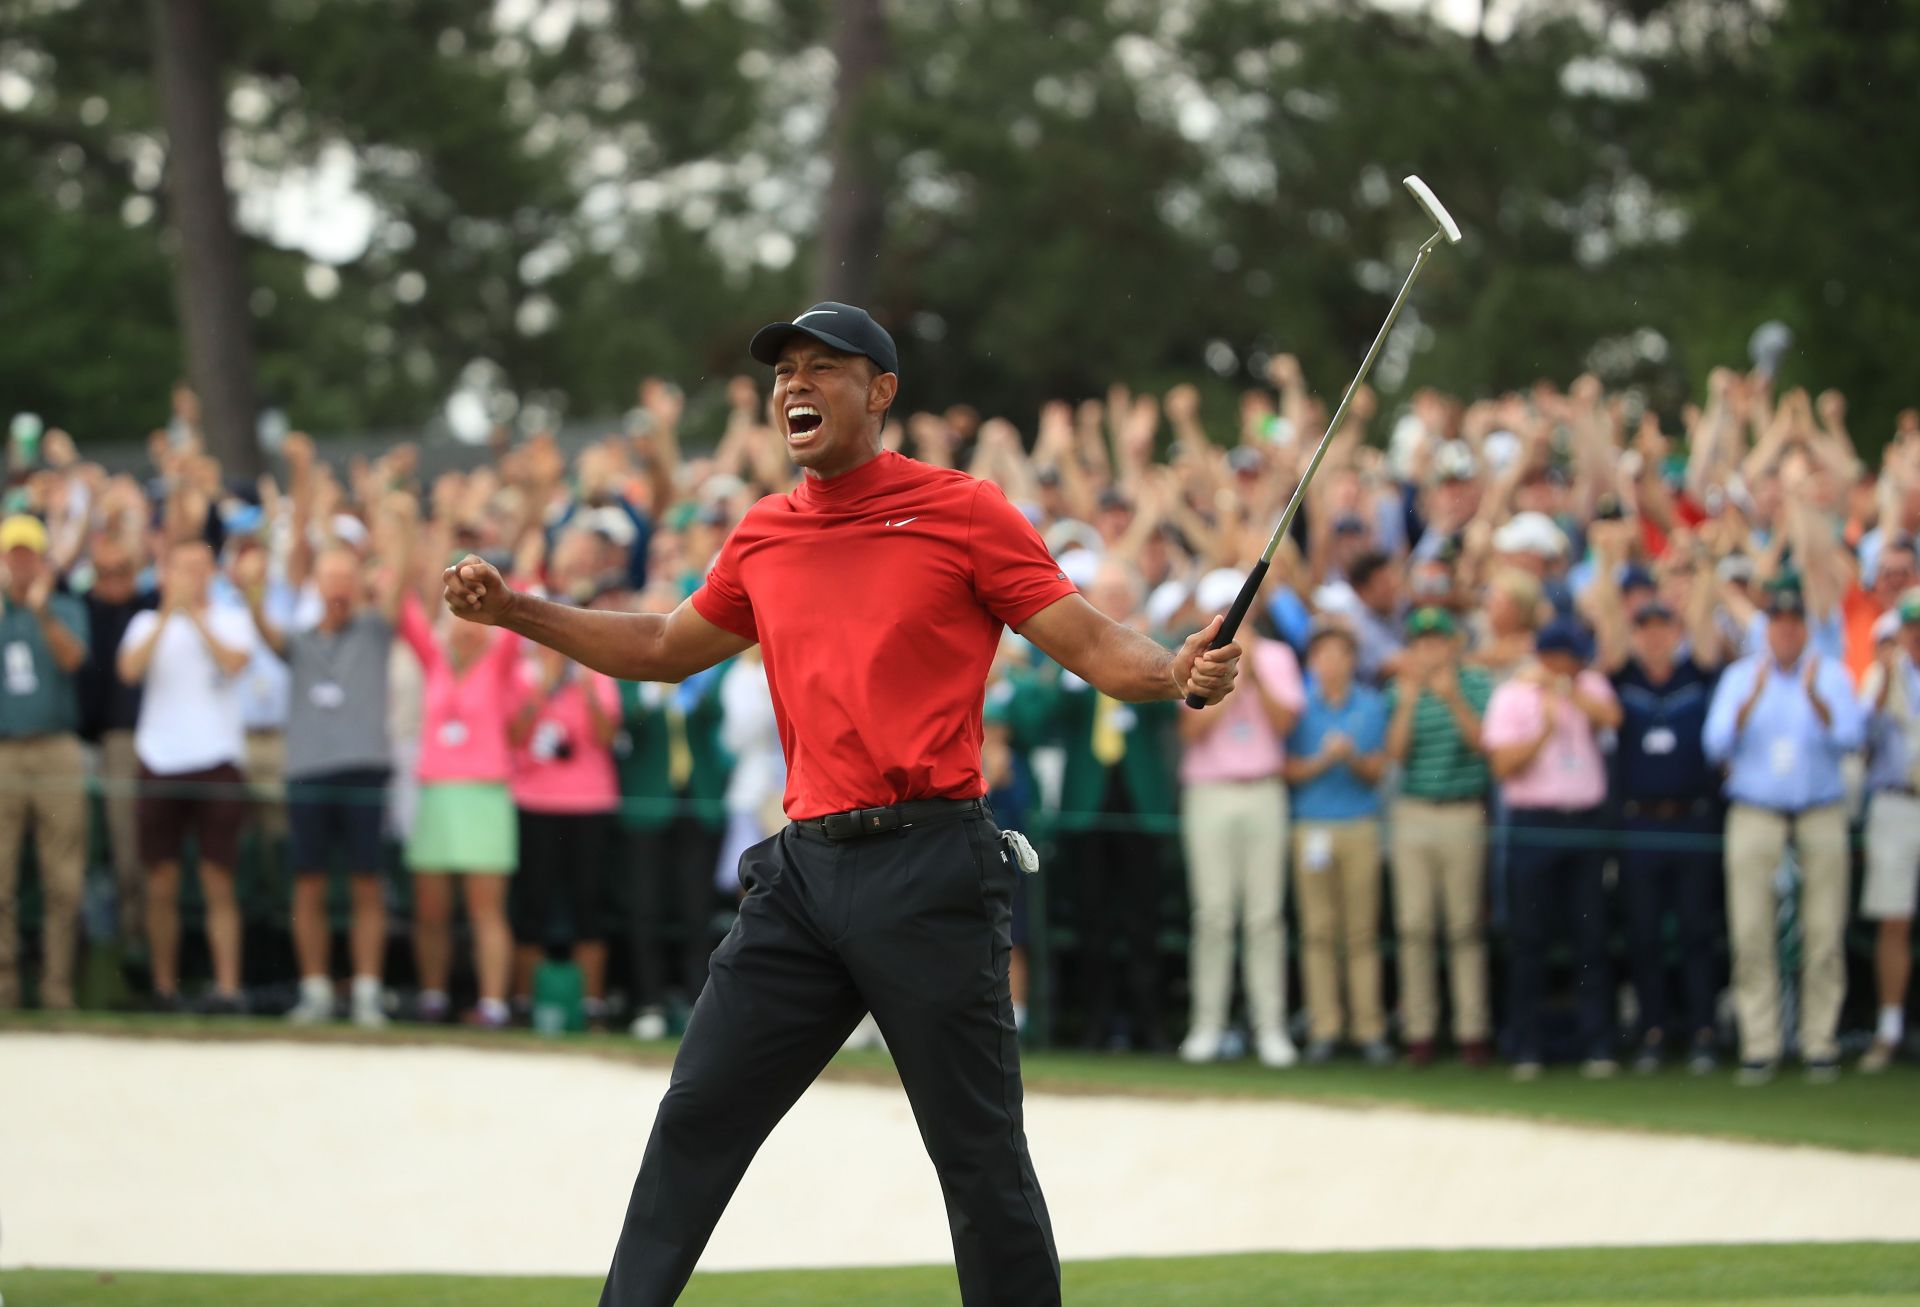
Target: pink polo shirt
582	780
1243	746
463	715
1569	771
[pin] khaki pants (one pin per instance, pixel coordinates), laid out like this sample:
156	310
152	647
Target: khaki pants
1236	842
43	789
119	770
1439	854
267	783
1756	838
1336	873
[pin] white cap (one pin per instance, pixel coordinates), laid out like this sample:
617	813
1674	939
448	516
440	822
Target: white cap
1886	626
611	523
1454	461
1080	566
349	529
1531	533
1500	448
1217	590
1168	598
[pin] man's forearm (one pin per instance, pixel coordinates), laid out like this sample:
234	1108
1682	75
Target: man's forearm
1131	667
624	646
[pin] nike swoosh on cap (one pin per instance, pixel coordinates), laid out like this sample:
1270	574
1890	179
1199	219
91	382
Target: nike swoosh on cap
815	313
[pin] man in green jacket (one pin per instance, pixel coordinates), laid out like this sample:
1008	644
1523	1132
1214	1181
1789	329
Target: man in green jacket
1117	827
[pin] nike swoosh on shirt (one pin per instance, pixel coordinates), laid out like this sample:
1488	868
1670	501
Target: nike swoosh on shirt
815	313
903	521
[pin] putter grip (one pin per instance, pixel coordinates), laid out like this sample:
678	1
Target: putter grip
1248	589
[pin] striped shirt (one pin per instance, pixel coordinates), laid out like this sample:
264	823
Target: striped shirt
1439	767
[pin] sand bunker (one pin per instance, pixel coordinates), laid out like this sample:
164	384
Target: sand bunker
267	1156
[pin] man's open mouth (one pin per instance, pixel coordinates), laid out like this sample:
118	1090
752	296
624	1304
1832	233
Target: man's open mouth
802	418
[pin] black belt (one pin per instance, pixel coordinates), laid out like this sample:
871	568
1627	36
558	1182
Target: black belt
862	822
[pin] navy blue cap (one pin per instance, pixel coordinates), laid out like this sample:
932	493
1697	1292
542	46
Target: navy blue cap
1635	577
1562	635
842	326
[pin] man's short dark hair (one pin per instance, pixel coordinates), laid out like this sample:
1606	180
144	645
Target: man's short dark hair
1364	568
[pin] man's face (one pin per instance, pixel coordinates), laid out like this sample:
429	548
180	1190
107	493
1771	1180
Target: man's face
336	576
23	568
1455	501
1898	573
1656	641
1560	662
1331	660
1381	591
1113	593
113	573
189	568
1786	637
827	404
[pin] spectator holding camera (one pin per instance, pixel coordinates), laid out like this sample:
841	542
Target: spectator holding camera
1439	824
43	643
191	743
1782	722
561	730
1542	736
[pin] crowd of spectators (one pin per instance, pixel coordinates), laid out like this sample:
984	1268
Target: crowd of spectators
1538	685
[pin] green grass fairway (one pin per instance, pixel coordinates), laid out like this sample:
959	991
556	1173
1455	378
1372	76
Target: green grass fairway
1872	1114
1791	1275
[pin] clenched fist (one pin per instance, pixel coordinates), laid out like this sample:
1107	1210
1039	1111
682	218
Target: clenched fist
476	592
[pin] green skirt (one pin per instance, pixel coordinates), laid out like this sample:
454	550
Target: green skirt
468	827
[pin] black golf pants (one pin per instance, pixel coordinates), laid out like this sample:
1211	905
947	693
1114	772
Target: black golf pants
914	926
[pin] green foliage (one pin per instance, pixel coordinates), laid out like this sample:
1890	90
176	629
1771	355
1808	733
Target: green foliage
1079	190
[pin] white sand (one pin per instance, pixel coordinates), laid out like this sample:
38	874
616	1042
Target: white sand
283	1156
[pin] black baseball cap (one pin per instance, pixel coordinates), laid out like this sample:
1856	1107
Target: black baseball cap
1655	611
842	326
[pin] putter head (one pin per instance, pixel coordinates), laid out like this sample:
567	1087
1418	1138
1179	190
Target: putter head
1435	210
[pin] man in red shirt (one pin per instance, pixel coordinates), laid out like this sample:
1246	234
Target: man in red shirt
877	592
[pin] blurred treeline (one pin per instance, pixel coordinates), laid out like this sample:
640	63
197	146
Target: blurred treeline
1042	195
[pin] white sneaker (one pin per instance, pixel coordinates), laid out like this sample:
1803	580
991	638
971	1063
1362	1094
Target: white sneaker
1201	1045
650	1024
1276	1050
369	1004
316	1003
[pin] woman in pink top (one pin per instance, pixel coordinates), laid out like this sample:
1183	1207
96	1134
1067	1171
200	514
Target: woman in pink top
465	823
1233	820
562	728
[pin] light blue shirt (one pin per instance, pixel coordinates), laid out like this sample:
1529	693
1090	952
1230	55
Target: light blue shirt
1785	759
1889	750
1338	794
265	684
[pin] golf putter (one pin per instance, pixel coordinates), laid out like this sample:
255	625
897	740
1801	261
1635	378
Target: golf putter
1444	228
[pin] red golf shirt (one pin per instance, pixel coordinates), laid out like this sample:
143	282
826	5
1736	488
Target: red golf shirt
877	598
